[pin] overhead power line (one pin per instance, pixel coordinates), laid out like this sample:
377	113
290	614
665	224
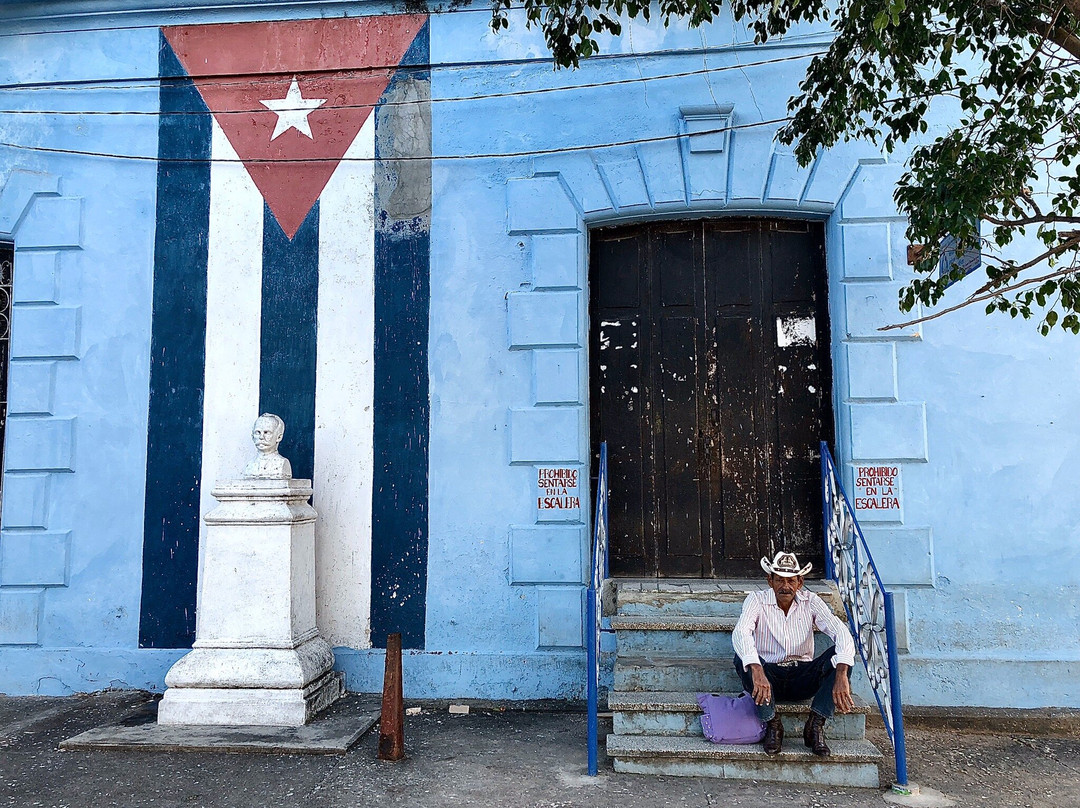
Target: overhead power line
210	13
455	99
391	159
233	79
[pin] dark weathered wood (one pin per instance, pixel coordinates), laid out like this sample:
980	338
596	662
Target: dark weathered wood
616	345
712	422
392	723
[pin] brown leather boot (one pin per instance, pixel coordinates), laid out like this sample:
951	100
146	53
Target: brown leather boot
774	736
814	735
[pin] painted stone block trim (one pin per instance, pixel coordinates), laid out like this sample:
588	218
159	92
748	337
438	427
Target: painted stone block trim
539	319
663	165
51	222
547	554
546	435
871	306
867	252
786	179
559	617
751	158
904	556
555	260
582	181
20	616
704	149
36	277
895	432
40	444
39	332
900	619
31	388
557	376
871	371
625	183
26	497
34	558
869	196
18	193
707	129
539	205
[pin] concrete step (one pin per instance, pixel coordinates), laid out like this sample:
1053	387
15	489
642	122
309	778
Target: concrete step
673	673
852	763
667	713
684	636
700	598
679	635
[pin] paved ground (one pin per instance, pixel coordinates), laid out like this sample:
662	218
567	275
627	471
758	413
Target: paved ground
525	760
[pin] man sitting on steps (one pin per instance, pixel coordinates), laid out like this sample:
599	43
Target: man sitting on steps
774	647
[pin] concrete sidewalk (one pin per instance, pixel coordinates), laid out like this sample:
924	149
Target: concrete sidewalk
481	759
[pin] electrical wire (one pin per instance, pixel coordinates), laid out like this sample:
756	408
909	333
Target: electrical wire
392	159
209	11
153	82
453	99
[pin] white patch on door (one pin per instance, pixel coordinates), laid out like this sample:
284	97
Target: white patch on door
795	331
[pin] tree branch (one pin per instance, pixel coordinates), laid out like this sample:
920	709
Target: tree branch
982	294
1051	219
977	298
1065	246
1062	37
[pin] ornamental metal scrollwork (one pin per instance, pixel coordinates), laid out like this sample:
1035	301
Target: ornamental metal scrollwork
859	586
5	299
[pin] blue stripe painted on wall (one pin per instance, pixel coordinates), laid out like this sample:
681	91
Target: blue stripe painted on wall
177	353
290	299
399	541
419	52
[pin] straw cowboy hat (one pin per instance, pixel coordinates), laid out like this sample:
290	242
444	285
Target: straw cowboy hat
786	565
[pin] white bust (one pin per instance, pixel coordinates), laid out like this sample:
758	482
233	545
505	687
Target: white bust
268	463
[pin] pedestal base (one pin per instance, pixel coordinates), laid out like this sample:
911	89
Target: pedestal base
250	706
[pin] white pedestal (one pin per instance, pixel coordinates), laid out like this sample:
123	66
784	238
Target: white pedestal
258	658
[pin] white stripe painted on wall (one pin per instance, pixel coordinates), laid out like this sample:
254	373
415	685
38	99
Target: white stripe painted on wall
233	317
344	389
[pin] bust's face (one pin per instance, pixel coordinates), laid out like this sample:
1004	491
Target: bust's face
265	434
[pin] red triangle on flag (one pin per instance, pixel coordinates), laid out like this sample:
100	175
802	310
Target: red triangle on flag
291	96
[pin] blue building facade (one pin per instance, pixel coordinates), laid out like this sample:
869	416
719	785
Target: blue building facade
419	313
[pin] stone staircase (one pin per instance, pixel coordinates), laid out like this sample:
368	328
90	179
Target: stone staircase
674	641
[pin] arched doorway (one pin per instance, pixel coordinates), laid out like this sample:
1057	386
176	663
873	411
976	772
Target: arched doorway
711	380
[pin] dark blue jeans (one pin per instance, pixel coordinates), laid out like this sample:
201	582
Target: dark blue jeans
796	682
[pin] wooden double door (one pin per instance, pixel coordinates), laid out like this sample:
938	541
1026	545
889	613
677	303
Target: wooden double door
711	381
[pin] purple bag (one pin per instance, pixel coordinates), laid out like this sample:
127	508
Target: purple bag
730	719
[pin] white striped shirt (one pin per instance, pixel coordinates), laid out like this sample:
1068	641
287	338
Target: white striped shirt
765	634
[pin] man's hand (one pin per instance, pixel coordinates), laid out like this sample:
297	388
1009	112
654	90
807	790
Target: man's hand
762	689
841	692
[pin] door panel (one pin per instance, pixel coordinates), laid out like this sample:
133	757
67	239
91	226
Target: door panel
711	382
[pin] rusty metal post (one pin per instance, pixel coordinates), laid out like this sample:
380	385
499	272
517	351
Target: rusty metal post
392	723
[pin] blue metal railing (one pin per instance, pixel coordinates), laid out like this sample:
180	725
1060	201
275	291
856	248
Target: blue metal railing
869	606
594	608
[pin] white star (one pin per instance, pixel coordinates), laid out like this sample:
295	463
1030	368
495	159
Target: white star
293	111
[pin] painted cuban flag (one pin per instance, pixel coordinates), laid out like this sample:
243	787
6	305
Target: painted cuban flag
291	276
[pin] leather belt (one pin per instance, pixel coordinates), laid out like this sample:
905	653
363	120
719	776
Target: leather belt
790	663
